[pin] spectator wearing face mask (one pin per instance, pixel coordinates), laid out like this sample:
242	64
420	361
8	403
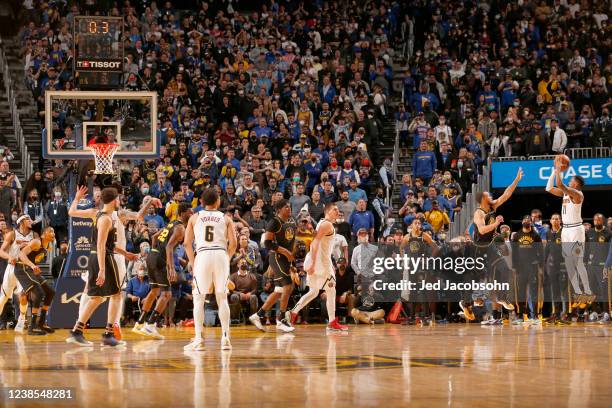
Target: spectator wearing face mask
137	289
362	260
448	184
57	214
245	291
143	249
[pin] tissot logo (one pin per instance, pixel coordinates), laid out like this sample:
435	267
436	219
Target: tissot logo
86	64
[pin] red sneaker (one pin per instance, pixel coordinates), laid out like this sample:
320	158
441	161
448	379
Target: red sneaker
335	325
117	331
291	317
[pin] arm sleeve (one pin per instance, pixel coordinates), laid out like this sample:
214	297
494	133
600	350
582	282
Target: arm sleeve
550	184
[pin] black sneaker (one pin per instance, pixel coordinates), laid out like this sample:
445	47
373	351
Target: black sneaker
109	340
35	331
78	339
47	329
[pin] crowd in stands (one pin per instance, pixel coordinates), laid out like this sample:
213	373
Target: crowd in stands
289	101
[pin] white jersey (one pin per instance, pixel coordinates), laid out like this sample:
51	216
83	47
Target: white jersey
323	263
571	213
120	228
210	230
19	237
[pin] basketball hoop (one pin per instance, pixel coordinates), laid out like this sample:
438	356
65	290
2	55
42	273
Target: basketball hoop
103	155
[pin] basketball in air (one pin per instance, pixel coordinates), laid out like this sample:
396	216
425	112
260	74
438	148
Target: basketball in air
562	161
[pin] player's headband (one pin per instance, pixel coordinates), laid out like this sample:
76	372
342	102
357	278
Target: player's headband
23	217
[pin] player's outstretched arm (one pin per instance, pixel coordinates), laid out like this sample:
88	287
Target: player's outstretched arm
550	185
231	237
509	190
130	256
188	243
9	237
74	212
33	245
127	215
574	194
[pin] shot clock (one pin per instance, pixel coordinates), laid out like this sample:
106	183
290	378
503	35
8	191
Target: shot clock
98	51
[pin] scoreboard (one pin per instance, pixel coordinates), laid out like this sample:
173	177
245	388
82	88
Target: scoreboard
98	51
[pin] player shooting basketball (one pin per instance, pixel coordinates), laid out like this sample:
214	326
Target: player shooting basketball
572	234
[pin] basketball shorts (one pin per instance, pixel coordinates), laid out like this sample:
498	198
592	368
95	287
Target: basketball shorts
158	273
122	269
10	282
323	274
281	268
210	272
320	282
111	285
572	241
27	278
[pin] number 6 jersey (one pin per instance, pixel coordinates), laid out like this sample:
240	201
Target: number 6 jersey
210	230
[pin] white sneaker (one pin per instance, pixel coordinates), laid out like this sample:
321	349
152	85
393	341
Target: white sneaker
593	317
138	328
256	321
20	327
605	318
195	345
284	326
225	343
151	330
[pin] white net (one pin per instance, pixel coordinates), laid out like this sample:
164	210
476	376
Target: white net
103	155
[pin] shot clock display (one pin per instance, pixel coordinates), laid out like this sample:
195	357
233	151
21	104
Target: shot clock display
98	51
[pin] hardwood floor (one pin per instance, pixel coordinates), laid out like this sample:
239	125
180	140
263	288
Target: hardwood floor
377	366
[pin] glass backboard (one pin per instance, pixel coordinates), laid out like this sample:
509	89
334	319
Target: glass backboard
79	118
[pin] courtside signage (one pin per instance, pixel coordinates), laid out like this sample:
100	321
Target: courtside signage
596	172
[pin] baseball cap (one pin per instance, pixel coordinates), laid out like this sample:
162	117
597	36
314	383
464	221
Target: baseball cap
362	231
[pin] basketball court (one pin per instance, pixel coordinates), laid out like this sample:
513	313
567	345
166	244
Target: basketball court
390	365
